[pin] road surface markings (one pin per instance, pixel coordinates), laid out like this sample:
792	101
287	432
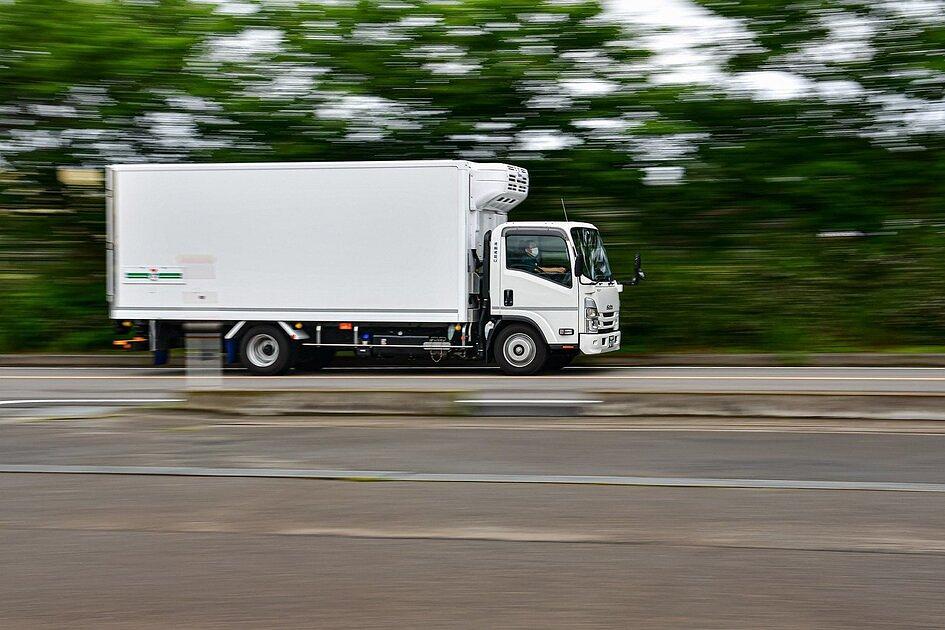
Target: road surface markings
642	368
584	428
515	401
105	367
571	368
384	475
83	401
594	377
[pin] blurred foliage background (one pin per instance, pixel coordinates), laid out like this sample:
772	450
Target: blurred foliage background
779	165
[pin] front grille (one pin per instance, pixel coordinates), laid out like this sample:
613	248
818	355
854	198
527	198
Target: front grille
609	321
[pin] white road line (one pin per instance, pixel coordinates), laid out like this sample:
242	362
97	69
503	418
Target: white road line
383	475
479	368
595	377
46	402
516	401
603	368
592	428
747	367
105	367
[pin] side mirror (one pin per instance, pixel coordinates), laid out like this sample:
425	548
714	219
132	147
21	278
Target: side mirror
638	274
578	267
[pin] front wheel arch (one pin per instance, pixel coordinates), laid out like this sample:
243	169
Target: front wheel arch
505	322
520	350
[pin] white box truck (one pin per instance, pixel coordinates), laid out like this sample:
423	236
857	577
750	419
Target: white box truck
296	261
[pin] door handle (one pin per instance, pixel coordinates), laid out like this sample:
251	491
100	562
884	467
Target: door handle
508	297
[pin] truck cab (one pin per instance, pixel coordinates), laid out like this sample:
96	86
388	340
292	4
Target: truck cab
553	278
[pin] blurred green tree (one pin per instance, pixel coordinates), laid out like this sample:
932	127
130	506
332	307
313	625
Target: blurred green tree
737	196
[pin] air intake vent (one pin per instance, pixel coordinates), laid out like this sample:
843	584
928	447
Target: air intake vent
518	179
497	187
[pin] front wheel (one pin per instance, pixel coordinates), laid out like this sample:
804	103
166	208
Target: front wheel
520	351
265	350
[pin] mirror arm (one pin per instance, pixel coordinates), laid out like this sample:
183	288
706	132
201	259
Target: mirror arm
638	274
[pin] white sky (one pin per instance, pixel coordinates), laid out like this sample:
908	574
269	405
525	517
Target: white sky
691	44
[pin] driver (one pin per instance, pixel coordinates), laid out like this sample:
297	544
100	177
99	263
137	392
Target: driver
532	260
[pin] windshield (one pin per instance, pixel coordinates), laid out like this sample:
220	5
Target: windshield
590	247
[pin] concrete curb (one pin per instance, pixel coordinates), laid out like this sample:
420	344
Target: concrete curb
828	405
864	359
507	478
826	359
138	359
840	406
318	402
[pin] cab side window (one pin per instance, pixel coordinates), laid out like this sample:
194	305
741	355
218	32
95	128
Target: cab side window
541	254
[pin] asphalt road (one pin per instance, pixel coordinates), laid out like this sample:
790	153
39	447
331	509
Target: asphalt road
895	452
39	386
169	553
146	551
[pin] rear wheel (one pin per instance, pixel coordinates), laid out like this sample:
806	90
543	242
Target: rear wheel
519	350
265	350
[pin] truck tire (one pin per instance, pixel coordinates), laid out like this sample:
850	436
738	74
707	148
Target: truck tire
520	350
266	351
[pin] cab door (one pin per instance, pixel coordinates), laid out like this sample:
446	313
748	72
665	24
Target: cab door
536	281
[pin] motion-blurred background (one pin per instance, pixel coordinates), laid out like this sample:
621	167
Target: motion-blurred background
779	165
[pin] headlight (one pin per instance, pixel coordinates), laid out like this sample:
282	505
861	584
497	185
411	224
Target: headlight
591	315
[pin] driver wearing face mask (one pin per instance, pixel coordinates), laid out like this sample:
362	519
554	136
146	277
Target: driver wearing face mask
532	260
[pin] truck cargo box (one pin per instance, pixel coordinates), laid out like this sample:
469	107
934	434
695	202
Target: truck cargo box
333	241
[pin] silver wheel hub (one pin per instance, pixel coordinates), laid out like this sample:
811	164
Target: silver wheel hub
262	350
519	350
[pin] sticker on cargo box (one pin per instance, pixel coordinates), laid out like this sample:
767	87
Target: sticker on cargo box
152	275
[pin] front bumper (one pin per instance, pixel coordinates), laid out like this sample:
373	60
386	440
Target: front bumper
600	343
